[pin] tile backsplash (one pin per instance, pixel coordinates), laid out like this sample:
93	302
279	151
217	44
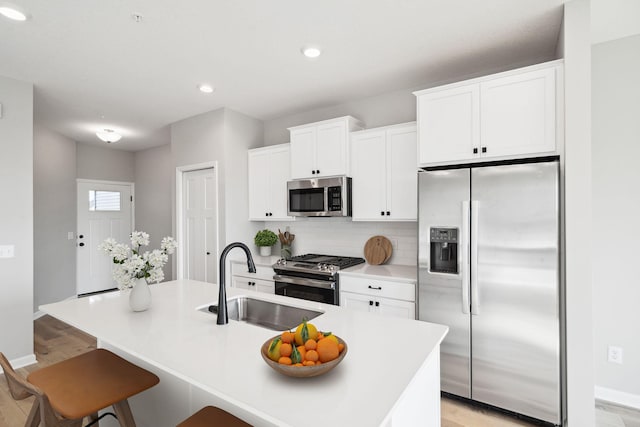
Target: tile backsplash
344	237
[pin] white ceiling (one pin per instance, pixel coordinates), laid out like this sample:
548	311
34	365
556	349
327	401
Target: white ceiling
93	66
614	19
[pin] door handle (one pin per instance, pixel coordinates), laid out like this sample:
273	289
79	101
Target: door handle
464	258
475	304
208	253
81	236
80	244
378	288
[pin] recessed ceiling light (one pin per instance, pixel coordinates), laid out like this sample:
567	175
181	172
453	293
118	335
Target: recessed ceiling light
108	135
311	51
12	12
204	88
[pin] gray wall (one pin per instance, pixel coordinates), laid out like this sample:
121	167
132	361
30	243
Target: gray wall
224	136
54	206
578	208
153	178
106	164
241	134
16	220
616	175
381	110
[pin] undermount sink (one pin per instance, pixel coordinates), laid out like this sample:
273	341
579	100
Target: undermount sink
270	315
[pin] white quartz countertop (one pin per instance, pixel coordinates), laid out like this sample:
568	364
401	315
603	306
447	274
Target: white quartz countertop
384	353
399	273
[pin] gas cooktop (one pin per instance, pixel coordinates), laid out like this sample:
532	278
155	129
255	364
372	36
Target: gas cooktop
316	263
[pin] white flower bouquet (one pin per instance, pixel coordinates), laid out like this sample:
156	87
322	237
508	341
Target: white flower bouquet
131	264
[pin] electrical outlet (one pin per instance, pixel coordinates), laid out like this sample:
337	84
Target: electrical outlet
615	354
7	251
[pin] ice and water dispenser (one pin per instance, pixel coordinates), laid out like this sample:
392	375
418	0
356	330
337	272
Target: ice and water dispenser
444	250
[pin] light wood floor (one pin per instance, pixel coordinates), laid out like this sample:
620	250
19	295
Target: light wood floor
55	341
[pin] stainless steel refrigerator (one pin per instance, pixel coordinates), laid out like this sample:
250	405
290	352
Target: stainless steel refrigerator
488	267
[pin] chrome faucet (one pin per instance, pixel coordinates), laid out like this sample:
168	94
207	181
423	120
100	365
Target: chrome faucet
223	317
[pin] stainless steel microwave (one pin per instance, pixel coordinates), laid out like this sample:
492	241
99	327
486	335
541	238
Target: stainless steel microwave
319	197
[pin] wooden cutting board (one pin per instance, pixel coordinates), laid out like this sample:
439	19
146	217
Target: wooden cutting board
377	250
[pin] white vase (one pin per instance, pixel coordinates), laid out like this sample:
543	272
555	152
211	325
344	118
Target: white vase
140	296
265	250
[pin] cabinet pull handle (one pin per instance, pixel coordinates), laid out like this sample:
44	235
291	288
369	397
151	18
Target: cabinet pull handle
379	288
318	171
388	213
377	303
382	213
313	172
475	151
370	302
484	149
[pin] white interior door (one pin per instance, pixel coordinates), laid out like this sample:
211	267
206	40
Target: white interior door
200	225
104	210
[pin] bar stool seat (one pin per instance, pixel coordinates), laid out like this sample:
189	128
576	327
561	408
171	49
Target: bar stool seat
210	416
79	387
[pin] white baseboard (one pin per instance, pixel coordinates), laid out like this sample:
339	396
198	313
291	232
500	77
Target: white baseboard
38	314
21	362
617	397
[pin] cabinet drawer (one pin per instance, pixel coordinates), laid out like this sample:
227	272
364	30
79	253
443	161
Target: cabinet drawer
262	271
378	288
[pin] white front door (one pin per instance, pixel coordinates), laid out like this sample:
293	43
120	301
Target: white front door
200	225
104	210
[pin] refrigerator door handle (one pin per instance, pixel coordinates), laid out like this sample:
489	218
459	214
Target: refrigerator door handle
475	304
464	257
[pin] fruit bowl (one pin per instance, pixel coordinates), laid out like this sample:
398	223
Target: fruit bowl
301	371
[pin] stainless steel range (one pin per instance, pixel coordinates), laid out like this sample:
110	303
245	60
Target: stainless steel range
311	276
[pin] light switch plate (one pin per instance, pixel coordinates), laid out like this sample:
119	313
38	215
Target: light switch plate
7	251
70	235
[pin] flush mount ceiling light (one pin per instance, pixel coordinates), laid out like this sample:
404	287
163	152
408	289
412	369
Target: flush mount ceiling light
311	51
205	88
12	12
108	135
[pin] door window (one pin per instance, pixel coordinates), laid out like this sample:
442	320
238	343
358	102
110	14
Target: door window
104	200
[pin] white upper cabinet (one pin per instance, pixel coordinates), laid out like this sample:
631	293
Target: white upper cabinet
383	171
268	176
507	115
322	149
449	124
518	114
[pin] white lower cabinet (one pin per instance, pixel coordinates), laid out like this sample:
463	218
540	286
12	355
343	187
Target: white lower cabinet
386	297
260	281
260	285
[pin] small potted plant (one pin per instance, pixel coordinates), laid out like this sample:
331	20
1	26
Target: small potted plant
265	239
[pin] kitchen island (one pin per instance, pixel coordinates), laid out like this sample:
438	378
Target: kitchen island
389	377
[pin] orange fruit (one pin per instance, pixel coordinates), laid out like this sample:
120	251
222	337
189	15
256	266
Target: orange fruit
287	337
285	349
327	349
340	347
311	356
308	363
298	364
310	344
284	360
333	337
302	351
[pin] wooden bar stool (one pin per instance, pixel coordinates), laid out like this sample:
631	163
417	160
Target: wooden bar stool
210	416
73	389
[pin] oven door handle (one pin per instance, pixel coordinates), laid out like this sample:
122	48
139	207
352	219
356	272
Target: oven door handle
305	282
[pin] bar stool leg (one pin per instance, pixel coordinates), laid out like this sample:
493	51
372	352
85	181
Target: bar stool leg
123	412
34	415
93	418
